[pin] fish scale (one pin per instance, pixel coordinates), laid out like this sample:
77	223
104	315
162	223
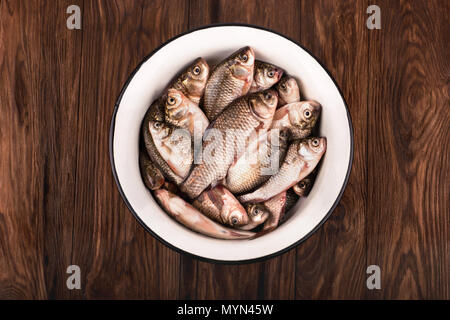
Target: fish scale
300	160
220	205
155	113
229	80
238	116
190	217
219	92
247	174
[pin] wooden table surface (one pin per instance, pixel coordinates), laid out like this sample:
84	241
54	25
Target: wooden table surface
59	204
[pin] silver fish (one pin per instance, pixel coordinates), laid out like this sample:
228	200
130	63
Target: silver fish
174	145
226	138
220	205
288	91
192	81
301	159
276	206
291	200
299	118
268	152
229	80
193	219
156	115
184	113
303	187
152	176
258	214
265	76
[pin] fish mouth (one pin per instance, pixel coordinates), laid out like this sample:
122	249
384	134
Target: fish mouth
256	221
323	143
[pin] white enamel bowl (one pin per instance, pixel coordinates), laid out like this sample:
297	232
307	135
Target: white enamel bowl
214	43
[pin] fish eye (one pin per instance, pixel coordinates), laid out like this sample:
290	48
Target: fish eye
244	57
171	100
255	211
196	70
157	125
271	74
302	185
234	220
267	96
307	114
283	86
315	142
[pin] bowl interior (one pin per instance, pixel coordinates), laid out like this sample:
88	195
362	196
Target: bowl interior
214	44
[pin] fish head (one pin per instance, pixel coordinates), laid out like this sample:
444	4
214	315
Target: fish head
194	79
159	130
263	104
152	176
258	213
242	64
288	89
303	187
199	70
156	111
266	74
237	217
304	115
232	212
177	105
155	179
312	148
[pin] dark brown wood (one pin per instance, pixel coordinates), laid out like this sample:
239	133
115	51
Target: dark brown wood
331	264
408	155
59	204
120	254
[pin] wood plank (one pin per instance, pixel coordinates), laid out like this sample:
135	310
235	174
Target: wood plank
119	259
37	164
21	265
331	264
59	204
274	278
408	168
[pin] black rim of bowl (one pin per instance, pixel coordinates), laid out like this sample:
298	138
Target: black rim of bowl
146	227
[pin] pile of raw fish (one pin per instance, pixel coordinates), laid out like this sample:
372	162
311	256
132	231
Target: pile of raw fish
228	151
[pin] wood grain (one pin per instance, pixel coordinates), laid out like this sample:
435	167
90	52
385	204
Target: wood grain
408	154
336	254
40	102
121	253
59	204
